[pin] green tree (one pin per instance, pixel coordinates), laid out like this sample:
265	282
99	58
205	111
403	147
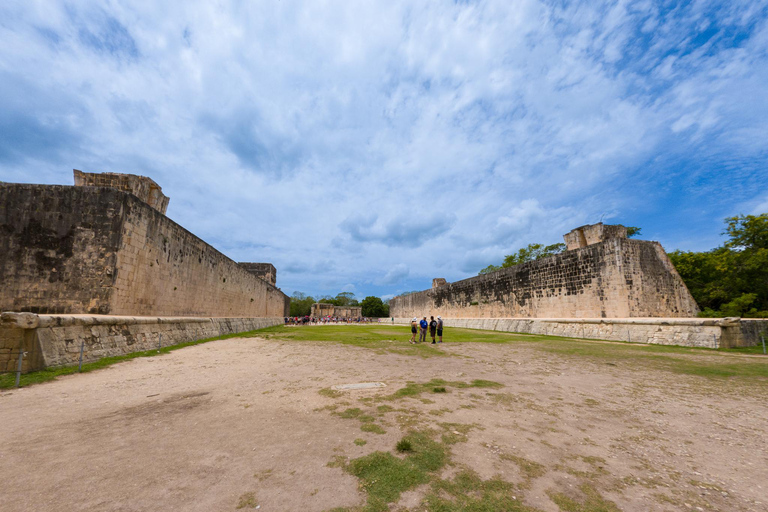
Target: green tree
301	304
731	280
342	299
374	307
633	231
531	252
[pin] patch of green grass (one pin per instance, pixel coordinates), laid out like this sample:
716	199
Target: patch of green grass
439	389
528	468
8	380
372	427
360	442
385	408
592	501
467	492
247	500
403	446
330	393
413	389
350	413
384	477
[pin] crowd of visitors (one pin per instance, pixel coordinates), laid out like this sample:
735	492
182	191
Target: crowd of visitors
310	320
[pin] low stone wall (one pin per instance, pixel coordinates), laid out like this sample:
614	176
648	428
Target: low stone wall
688	332
55	340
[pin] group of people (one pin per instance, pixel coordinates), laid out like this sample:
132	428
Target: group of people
304	320
420	327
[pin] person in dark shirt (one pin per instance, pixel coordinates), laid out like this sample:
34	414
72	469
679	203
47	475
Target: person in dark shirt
413	330
432	328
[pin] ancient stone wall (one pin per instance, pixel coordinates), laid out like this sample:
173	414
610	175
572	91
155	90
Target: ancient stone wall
142	187
55	340
264	271
163	269
616	278
58	247
320	310
103	251
688	332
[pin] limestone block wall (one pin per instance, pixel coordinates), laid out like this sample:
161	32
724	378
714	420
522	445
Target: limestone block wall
142	187
616	278
58	247
97	250
689	332
55	340
163	269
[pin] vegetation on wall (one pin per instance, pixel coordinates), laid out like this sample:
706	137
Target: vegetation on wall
533	252
731	280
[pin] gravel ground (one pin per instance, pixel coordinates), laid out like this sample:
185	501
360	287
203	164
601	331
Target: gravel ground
242	423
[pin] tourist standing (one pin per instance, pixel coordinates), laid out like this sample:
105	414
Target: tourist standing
432	328
413	330
440	329
423	331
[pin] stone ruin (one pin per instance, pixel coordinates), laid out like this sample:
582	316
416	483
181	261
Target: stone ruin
320	310
602	274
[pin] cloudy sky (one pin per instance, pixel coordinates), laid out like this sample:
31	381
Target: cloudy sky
371	146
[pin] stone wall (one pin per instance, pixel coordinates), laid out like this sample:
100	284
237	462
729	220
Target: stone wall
688	332
55	340
103	251
142	187
58	247
616	278
320	310
264	271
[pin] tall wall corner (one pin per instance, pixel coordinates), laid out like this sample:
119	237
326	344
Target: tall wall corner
142	187
593	234
264	271
438	281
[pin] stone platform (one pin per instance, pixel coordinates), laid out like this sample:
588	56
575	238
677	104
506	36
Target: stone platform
55	340
688	332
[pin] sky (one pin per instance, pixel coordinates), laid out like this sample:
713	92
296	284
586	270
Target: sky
369	147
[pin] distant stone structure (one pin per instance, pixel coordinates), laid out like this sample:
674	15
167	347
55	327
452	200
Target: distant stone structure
320	310
142	187
601	275
438	281
264	271
105	247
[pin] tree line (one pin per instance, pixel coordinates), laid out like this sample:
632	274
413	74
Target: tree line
372	307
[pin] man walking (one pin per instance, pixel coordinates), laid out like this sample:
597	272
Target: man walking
423	331
440	329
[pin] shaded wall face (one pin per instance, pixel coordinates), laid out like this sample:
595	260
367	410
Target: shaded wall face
58	247
614	279
101	251
163	269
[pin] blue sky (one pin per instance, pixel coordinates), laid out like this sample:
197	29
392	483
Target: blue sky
371	146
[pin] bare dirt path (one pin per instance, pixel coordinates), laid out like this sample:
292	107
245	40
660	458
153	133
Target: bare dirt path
241	422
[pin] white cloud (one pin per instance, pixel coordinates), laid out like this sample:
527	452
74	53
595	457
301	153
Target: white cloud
353	142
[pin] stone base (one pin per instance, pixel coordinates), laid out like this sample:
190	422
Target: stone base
55	340
688	332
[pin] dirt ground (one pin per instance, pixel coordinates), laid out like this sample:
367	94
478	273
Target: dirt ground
244	423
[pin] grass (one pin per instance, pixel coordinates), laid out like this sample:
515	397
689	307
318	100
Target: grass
414	389
247	500
385	477
8	380
592	501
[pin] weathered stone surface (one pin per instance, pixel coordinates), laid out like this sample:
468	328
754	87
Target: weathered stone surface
264	271
142	187
616	278
57	339
320	310
78	250
690	332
